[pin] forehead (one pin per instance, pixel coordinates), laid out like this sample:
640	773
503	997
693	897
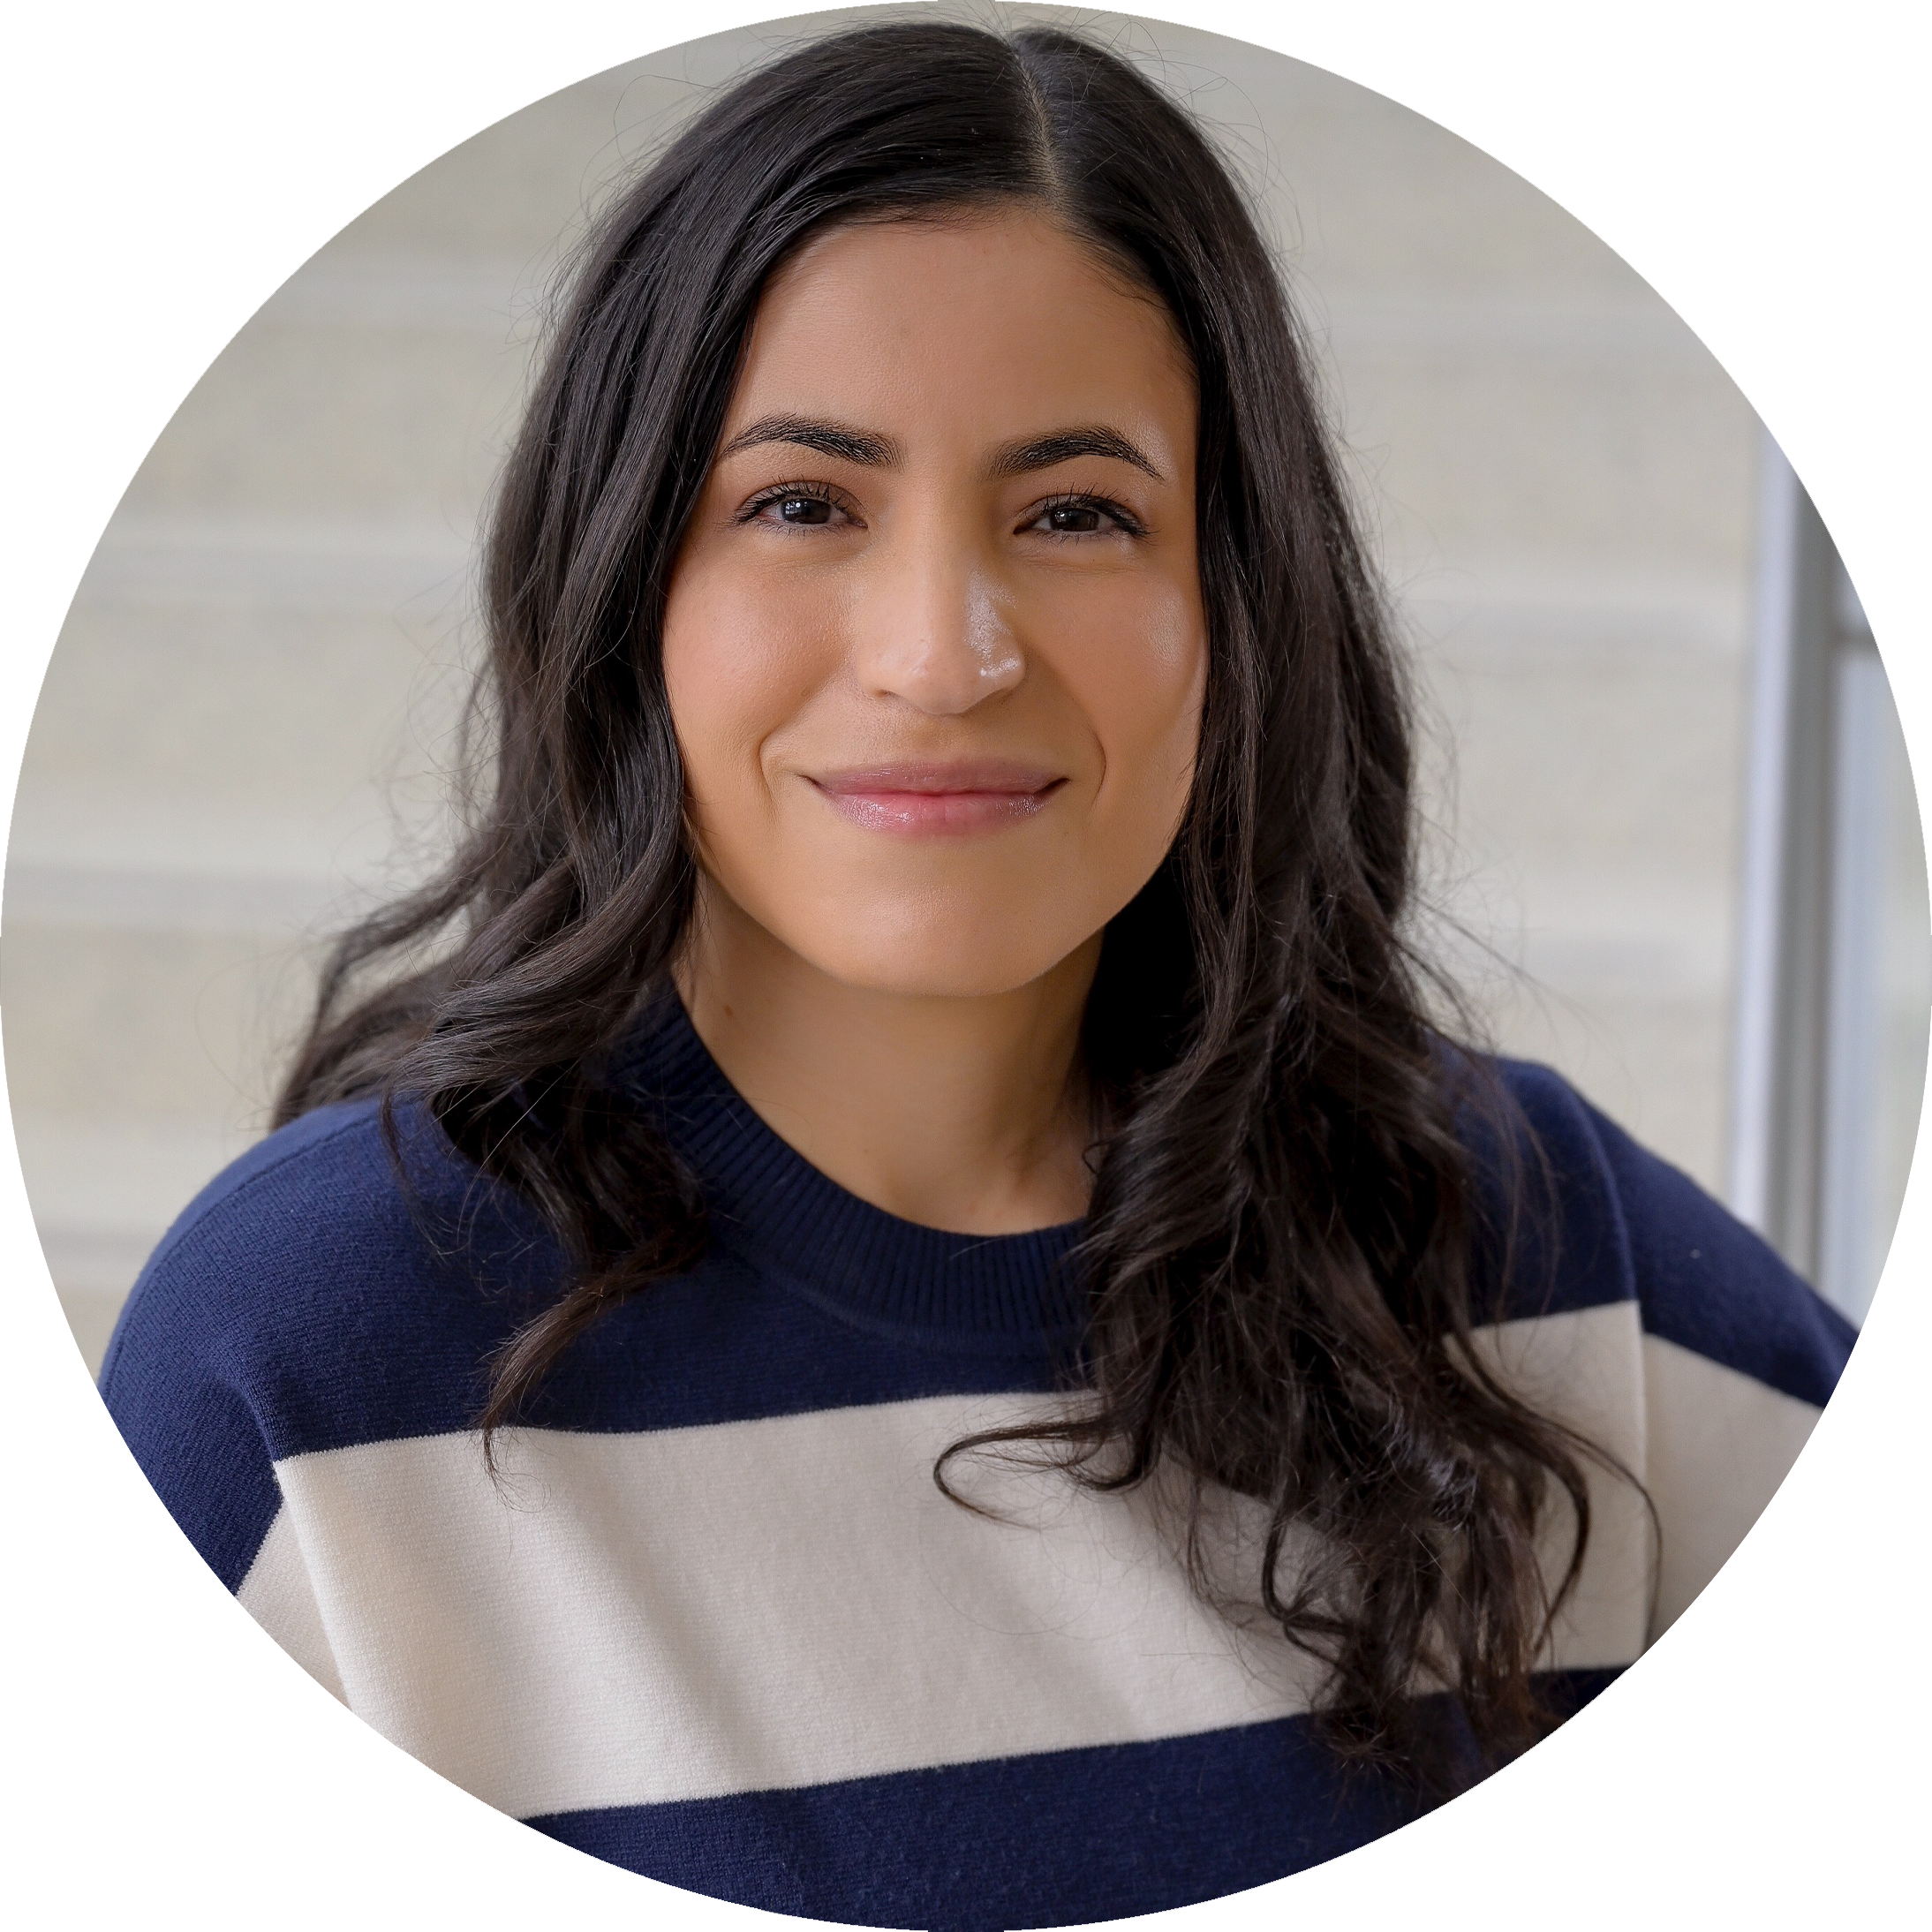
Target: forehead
982	326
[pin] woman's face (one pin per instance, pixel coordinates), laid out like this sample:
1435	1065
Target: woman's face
934	642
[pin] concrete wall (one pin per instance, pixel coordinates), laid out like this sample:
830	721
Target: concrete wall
241	730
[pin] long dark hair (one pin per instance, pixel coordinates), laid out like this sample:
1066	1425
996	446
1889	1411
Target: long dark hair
1278	1249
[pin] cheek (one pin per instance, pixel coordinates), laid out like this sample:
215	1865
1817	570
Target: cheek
739	661
1137	667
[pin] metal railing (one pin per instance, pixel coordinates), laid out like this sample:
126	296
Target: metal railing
1810	1044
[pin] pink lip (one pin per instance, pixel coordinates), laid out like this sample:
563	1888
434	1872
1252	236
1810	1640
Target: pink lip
973	796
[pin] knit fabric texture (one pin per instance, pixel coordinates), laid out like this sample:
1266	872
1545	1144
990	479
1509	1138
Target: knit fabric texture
714	1621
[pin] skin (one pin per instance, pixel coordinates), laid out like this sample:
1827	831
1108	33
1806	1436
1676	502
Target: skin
937	680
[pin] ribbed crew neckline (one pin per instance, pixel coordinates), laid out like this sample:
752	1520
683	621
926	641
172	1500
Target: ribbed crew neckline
768	1205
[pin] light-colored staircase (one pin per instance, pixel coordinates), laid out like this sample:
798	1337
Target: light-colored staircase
271	281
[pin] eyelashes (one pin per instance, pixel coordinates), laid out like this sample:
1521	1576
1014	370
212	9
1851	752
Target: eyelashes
1069	515
1073	504
808	495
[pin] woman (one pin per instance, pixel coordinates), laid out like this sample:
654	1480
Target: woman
926	997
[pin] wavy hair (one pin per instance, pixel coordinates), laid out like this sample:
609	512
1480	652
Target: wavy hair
1278	1252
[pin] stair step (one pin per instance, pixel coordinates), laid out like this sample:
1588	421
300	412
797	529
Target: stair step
234	738
1607	453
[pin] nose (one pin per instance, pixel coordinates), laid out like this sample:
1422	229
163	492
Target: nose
931	630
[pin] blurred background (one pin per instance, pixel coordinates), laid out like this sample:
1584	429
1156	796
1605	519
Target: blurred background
1672	845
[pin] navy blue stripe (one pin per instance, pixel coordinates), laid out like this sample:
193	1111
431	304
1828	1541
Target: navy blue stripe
1576	1215
1550	1238
1059	1837
1758	1897
1710	1285
724	1344
318	1306
348	1312
1700	1787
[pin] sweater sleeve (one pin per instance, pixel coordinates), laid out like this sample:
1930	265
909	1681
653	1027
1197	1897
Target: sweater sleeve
199	1761
1790	1655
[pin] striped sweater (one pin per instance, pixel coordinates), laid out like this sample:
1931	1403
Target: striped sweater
714	1622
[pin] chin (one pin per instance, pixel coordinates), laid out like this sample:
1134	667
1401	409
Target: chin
966	958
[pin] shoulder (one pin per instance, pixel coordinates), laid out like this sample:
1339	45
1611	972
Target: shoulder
333	1286
1551	1237
1598	1217
1593	1216
251	1240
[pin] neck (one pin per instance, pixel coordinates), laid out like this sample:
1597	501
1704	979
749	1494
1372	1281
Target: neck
962	1113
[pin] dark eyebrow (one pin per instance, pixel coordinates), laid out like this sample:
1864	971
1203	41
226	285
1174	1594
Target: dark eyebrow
828	439
1091	440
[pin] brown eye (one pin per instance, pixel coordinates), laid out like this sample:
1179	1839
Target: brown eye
803	510
1072	519
1084	516
798	506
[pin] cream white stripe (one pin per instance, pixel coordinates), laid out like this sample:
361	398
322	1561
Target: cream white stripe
691	1612
1795	1585
633	1619
277	1594
1584	1369
116	1865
